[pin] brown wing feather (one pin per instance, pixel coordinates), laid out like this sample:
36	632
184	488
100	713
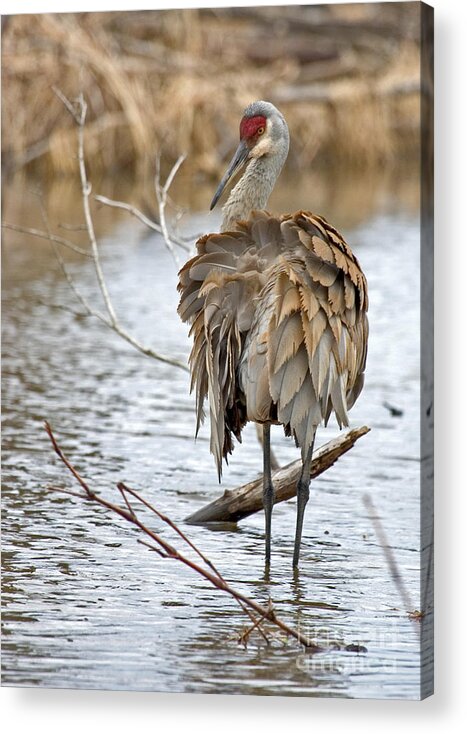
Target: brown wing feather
316	329
278	313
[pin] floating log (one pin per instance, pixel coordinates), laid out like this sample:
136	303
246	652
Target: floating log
236	504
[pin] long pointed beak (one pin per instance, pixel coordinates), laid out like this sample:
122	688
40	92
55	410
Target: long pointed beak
240	156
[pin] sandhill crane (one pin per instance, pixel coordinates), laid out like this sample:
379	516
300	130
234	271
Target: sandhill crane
278	308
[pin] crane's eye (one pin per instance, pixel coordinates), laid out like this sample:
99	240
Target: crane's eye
260	130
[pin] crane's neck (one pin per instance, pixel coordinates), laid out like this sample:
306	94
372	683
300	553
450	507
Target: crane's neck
253	190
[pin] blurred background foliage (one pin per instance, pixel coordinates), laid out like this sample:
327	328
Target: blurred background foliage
347	78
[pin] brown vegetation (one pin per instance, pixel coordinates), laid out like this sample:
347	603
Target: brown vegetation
346	77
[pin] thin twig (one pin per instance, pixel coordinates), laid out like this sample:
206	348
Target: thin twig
124	488
127	502
67	463
172	174
388	553
72	227
147	351
131	209
69	106
89	310
153	548
255	625
86	192
47	236
161	193
121	486
62	307
142	218
78	112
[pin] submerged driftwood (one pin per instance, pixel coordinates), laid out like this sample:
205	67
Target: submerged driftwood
236	504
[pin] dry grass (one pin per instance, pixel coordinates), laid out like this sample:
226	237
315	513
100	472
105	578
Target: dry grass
345	79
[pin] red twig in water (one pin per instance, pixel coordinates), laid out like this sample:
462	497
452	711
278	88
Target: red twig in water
166	550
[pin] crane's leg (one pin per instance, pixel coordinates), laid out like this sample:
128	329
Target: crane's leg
303	493
259	432
268	488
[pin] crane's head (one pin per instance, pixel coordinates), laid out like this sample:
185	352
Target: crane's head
263	133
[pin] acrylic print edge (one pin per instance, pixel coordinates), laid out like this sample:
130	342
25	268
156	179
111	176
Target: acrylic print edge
426	349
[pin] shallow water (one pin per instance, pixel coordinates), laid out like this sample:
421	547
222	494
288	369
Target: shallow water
84	605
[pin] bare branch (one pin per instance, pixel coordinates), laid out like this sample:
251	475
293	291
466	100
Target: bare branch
256	625
166	549
86	191
47	236
161	193
78	112
116	326
181	242
88	309
127	502
173	173
69	106
147	351
124	488
62	307
153	548
129	208
63	490
67	463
